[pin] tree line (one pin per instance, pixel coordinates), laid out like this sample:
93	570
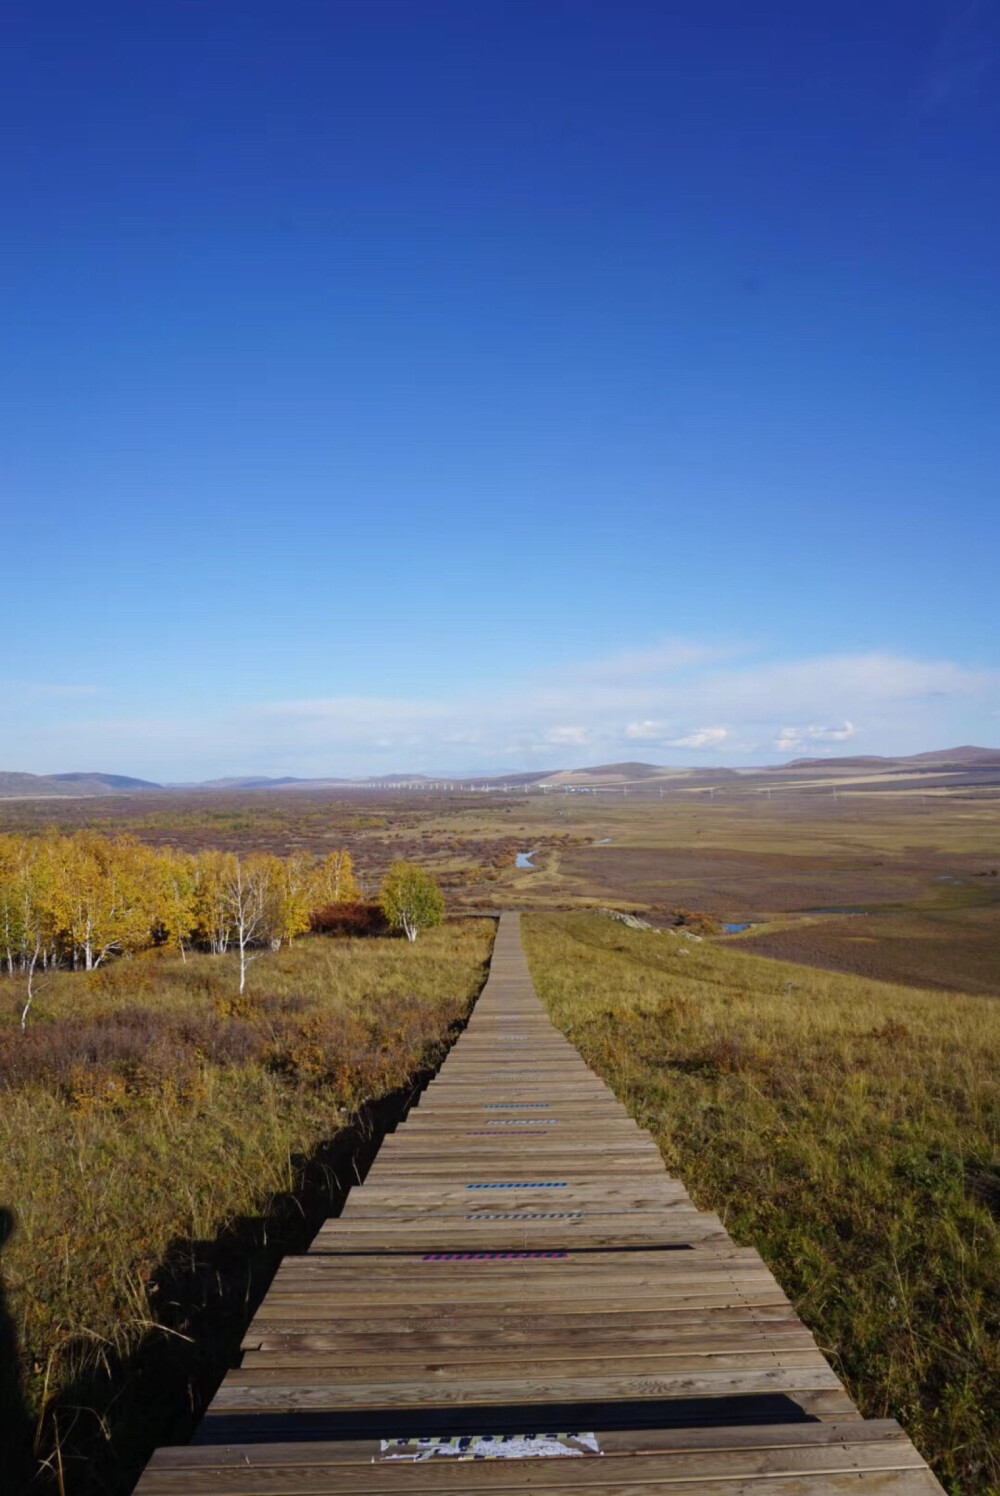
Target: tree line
76	901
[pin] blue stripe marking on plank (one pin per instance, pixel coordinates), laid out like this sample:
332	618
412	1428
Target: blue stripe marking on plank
520	1184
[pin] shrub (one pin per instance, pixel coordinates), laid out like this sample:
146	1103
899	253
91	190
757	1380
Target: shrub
126	1053
411	899
355	918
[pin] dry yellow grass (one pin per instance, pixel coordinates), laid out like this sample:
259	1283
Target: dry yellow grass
160	1141
850	1130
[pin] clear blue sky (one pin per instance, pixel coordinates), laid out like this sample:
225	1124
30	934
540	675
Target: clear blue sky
400	384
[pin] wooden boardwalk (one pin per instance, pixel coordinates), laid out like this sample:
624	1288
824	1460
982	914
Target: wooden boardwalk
519	1298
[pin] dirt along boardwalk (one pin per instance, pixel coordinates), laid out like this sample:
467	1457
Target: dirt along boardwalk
520	1298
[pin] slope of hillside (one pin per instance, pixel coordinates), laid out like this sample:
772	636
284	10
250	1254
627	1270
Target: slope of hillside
977	757
111	781
965	755
15	786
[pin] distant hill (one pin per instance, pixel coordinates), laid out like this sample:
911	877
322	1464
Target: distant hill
86	783
247	782
15	786
857	761
618	773
631	770
113	781
966	756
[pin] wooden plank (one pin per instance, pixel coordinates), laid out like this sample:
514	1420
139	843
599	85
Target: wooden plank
561	1229
638	1329
317	1482
237	1394
613	1443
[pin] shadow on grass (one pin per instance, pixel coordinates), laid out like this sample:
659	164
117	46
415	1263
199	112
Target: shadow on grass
103	1426
15	1421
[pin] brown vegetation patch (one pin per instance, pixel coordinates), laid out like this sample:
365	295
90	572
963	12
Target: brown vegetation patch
948	951
750	884
358	919
141	1048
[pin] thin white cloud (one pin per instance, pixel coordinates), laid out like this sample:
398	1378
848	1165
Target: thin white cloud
840	734
795	706
666	657
795	739
575	737
646	732
704	737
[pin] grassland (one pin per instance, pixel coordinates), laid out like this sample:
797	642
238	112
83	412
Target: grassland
925	867
848	1129
162	1143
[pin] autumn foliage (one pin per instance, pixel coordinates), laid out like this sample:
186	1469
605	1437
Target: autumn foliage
75	901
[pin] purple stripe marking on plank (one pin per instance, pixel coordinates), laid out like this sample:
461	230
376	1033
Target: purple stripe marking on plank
487	1256
525	1215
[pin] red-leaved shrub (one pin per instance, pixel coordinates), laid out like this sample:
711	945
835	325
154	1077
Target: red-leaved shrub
349	919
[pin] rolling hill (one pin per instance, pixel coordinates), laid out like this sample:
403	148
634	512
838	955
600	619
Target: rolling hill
15	786
84	783
964	756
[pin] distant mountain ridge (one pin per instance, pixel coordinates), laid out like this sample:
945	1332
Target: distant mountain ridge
82	783
967	755
14	786
113	781
632	770
248	782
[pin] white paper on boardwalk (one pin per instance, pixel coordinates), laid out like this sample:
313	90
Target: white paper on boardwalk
491	1447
